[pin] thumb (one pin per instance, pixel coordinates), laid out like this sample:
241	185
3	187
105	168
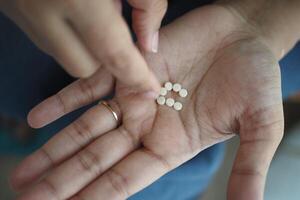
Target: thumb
259	139
146	20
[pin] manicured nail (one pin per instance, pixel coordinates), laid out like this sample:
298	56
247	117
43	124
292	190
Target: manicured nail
155	39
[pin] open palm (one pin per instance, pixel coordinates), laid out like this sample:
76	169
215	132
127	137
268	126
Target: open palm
234	88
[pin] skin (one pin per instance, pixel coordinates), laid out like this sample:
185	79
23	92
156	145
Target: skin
73	33
275	20
233	79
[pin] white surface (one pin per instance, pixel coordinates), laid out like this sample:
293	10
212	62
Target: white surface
183	93
176	87
170	102
177	106
161	100
169	86
163	91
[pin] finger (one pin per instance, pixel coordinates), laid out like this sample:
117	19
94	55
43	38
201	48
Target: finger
111	43
95	122
61	42
76	95
147	16
257	148
132	174
74	174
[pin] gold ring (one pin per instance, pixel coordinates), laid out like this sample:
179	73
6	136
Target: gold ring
115	115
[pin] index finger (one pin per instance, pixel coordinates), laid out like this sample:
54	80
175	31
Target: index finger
106	34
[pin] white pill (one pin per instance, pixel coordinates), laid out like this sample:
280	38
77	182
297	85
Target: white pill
161	100
163	91
183	93
170	102
177	106
176	87
168	86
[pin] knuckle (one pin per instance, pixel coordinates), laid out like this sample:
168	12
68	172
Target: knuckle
50	187
132	139
118	182
63	104
248	172
160	159
87	90
82	132
89	162
47	156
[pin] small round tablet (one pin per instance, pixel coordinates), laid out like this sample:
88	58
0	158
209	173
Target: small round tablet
168	86
170	102
163	91
176	87
177	106
183	93
161	100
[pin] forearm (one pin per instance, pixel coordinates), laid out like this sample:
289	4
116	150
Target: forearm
276	20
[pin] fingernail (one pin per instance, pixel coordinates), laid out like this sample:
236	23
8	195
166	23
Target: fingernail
155	39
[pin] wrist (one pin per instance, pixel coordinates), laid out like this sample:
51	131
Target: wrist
275	21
